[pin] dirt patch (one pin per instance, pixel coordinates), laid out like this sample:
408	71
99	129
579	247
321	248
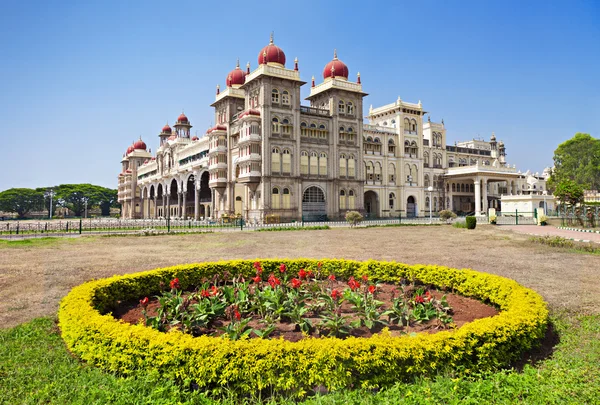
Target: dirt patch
464	310
34	279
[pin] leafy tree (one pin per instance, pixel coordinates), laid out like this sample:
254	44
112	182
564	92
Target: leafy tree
577	159
568	191
44	192
108	199
21	201
74	196
354	218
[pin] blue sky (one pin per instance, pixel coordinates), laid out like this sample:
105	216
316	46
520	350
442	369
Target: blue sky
79	81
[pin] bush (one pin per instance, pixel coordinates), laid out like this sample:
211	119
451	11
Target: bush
256	366
354	218
471	222
447	215
460	224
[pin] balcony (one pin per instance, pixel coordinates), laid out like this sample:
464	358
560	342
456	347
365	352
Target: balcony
314	111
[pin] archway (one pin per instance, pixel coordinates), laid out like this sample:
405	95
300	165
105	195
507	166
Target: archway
314	207
372	204
411	207
190	197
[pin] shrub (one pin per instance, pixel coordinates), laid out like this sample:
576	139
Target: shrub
354	218
257	366
447	215
493	219
471	222
460	224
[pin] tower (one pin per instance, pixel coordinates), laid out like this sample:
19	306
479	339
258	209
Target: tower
182	126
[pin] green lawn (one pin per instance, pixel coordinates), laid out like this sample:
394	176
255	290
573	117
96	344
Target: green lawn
35	368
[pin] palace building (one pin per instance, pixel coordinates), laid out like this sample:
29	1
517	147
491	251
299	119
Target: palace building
269	155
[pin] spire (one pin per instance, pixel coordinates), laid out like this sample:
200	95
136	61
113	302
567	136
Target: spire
237	66
313	82
218	89
335	54
248	68
358	78
271	40
296	64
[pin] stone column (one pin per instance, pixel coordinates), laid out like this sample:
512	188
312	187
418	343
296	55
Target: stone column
168	207
484	207
477	197
179	204
155	208
196	201
184	211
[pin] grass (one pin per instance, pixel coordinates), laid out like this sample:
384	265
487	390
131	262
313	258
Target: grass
566	244
293	228
36	368
35	242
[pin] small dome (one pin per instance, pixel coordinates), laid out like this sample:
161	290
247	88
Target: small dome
195	138
236	77
139	144
166	129
182	119
335	68
250	112
130	149
271	54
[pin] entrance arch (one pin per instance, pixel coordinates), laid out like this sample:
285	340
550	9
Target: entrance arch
372	204
411	207
314	206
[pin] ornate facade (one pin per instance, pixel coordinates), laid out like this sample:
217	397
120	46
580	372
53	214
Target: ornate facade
270	155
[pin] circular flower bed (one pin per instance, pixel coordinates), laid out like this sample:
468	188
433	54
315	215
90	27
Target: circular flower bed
252	365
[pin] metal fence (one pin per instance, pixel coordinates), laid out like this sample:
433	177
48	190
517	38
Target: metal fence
24	229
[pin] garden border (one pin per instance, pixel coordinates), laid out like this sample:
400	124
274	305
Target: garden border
249	366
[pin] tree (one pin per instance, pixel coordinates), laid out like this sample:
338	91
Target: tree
568	191
108	199
75	196
354	218
21	201
578	160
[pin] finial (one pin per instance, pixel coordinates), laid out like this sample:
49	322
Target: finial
419	103
237	66
264	57
442	121
218	89
399	100
313	82
371	108
248	68
296	63
428	118
335	54
358	78
271	40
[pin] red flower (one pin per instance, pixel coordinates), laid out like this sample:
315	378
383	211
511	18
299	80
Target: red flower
428	296
419	299
319	265
175	284
335	294
282	268
258	267
257	279
302	274
214	290
296	283
331	277
204	293
372	289
309	274
365	278
144	302
237	314
273	281
353	284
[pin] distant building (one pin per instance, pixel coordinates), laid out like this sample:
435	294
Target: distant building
270	155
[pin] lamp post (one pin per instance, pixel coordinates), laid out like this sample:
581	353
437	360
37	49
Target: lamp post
50	193
430	189
85	201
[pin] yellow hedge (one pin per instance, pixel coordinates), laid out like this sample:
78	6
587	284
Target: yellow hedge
295	368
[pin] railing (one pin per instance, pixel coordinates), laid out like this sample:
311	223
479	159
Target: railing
314	111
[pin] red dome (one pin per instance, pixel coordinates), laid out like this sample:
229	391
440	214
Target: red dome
182	118
130	149
236	77
166	129
271	54
195	138
139	145
250	112
339	68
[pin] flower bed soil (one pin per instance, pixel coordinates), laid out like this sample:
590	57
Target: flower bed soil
464	310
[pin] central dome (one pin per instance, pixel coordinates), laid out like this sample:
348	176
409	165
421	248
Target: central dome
271	54
335	68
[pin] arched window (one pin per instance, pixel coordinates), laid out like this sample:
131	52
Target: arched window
285	98
342	200
413	126
342	133
425	159
351	200
350	108
426	202
369	167
392	200
343	166
313	195
406	125
275	161
323	164
275	198
322	131
286	127
303	129
406	147
391	147
393	123
286	198
377	171
341	107
426	181
275	125
286	161
453	187
351	167
435	204
350	134
471	187
392	173
275	96
304	163
314	164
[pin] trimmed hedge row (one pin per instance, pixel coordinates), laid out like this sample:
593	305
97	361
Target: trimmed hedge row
250	366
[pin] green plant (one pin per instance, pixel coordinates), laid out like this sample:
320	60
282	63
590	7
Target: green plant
471	222
447	215
460	224
493	219
353	218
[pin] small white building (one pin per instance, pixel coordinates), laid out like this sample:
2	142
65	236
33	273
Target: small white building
526	204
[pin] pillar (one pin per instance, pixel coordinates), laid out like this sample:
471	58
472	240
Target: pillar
184	211
196	201
168	207
178	204
155	208
477	197
484	207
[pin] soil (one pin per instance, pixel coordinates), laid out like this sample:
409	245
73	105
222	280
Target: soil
464	310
